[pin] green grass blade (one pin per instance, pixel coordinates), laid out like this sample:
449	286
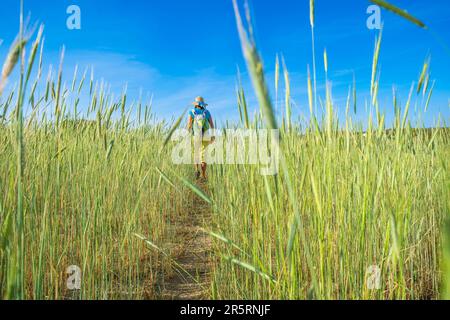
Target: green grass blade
402	13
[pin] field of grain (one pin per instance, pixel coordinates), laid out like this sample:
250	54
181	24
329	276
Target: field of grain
94	186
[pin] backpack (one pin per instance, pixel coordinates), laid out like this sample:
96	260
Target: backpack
200	123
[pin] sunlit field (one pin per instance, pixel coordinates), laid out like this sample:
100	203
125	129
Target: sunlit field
87	180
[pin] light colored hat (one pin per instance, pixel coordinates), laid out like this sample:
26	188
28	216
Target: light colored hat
199	101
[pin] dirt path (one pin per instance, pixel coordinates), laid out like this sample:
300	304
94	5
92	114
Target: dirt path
190	276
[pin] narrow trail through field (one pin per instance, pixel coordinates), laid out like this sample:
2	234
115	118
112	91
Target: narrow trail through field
190	279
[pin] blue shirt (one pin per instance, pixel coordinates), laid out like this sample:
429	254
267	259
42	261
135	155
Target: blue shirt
197	111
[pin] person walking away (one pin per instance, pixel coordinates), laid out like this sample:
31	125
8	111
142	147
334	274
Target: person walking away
199	122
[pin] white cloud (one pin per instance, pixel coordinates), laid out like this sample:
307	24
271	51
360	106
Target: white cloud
171	94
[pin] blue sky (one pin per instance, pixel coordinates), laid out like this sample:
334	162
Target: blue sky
177	50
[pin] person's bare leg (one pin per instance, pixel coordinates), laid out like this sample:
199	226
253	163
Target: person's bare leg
204	170
197	171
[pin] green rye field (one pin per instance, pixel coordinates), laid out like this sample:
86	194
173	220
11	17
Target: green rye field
92	184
